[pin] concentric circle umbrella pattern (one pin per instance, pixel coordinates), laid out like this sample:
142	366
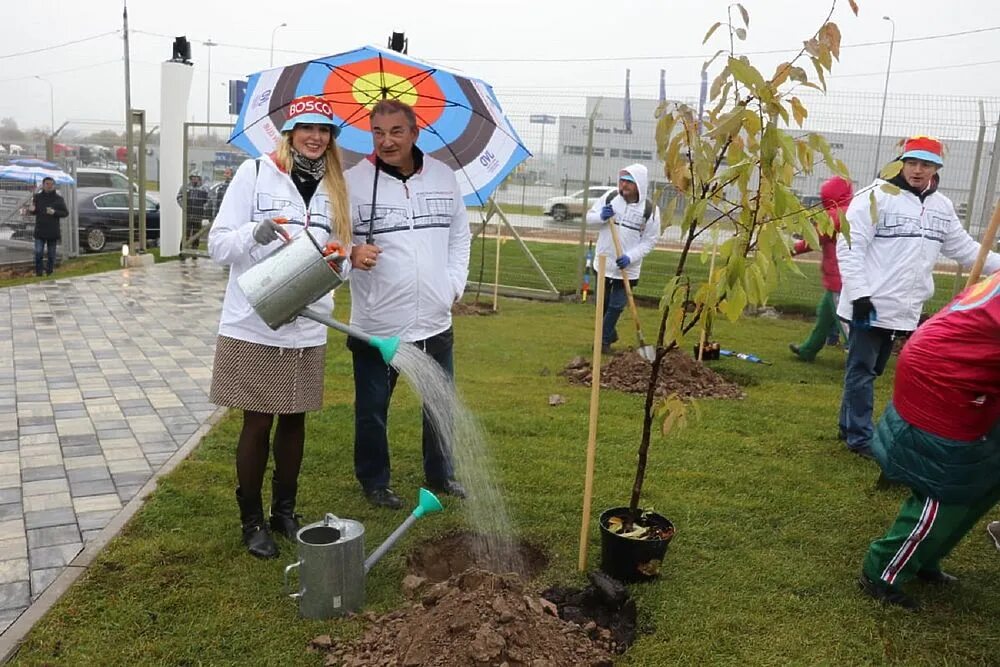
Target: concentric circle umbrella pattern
461	122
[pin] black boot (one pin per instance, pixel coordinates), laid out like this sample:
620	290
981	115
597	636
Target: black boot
284	520
255	534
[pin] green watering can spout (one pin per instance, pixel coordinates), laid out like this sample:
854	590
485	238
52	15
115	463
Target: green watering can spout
387	347
427	504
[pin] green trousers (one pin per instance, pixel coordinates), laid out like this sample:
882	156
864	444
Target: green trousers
925	531
826	316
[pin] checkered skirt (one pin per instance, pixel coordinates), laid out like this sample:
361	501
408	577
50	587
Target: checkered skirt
264	378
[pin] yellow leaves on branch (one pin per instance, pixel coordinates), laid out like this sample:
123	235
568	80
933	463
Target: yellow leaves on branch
799	112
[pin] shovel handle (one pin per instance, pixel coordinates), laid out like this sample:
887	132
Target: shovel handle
984	247
612	225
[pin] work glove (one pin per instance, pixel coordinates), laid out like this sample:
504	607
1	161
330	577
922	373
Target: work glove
864	312
269	230
607	212
623	261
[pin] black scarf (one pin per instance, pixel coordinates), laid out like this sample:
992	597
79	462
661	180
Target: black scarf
315	169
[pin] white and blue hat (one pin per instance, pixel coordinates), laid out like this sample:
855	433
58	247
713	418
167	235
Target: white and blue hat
310	110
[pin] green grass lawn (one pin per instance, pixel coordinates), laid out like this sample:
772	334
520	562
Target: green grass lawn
773	518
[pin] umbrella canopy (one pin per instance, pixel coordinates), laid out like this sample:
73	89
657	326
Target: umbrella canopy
461	122
22	174
34	162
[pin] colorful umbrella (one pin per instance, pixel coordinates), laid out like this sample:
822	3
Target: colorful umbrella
33	162
35	175
461	122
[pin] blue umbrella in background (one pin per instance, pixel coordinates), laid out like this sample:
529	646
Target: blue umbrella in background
461	122
33	162
34	175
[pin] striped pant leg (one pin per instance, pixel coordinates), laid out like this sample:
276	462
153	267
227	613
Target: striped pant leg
976	510
922	529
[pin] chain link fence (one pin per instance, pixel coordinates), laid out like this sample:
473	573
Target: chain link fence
532	242
580	143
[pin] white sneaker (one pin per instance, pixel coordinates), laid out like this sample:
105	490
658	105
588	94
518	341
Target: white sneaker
993	530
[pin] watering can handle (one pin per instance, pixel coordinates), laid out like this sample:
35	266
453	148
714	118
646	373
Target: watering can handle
288	571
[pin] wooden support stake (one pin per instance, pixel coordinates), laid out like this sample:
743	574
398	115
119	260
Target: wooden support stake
595	394
989	237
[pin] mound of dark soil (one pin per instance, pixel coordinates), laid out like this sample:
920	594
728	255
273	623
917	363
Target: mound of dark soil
680	374
472	309
475	618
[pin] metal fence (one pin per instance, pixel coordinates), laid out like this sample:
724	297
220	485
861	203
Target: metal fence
579	143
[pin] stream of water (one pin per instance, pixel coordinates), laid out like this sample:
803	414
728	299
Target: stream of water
463	437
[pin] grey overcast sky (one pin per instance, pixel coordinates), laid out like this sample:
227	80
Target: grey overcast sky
539	56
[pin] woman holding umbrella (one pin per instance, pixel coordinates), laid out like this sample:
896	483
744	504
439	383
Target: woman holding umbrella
299	188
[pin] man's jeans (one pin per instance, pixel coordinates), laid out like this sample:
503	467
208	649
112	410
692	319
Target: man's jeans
867	355
374	382
615	301
40	253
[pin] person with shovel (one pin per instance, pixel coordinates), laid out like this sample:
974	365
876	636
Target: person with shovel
887	273
630	226
404	285
298	189
940	436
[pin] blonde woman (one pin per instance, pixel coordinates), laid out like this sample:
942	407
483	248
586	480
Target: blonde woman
266	372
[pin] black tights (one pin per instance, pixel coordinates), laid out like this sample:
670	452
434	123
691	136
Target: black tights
254	444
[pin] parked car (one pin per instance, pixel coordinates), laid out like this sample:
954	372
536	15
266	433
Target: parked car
94	177
563	208
103	216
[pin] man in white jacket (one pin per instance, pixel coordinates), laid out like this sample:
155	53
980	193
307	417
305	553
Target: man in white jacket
638	226
411	256
887	269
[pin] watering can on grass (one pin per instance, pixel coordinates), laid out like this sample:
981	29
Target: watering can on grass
332	564
283	285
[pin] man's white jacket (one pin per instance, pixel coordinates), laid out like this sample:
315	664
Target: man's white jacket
253	197
423	230
892	261
636	234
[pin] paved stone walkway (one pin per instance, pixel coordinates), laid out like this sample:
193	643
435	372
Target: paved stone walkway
102	379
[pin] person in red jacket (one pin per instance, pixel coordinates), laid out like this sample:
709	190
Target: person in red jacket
836	193
940	436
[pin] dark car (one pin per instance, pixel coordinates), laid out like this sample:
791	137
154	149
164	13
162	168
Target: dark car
103	216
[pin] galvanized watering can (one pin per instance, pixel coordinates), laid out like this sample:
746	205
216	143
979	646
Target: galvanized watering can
283	285
332	564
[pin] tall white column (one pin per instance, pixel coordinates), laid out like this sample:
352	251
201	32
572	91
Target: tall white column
175	88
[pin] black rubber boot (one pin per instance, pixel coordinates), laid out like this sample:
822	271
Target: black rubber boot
255	534
284	520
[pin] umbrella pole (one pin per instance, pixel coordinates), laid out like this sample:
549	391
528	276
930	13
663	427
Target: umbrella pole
595	395
984	247
370	239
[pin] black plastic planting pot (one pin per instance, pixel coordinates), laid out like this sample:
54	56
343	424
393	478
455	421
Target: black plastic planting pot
631	560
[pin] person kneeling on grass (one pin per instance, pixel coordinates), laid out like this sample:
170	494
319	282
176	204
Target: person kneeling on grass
940	436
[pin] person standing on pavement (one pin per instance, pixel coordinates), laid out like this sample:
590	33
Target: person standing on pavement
298	189
411	263
940	436
887	274
197	206
836	193
49	207
637	222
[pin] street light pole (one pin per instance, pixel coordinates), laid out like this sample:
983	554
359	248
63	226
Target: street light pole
208	88
272	40
52	105
885	93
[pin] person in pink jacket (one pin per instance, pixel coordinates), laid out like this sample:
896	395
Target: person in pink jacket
836	193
